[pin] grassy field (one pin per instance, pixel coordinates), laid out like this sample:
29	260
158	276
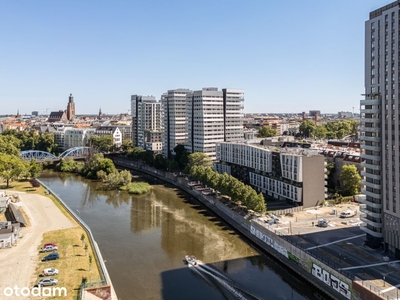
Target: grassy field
73	263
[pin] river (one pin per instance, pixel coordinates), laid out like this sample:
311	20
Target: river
144	240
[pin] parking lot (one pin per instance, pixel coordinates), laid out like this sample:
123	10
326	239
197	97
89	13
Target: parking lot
340	245
18	264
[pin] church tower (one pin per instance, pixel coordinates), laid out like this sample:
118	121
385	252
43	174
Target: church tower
100	114
71	108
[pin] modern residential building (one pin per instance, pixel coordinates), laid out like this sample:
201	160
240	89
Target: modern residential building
380	129
204	121
173	108
146	122
213	116
294	175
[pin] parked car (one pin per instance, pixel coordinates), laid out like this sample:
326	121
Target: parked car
47	281
322	223
52	244
49	272
49	248
51	256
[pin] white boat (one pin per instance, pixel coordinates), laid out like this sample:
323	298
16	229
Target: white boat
191	260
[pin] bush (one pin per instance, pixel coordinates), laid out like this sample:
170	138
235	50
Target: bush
34	183
137	188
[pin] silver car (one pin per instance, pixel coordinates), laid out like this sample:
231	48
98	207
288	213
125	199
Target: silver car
47	281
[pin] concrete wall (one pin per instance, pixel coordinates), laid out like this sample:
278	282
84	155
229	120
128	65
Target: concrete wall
313	180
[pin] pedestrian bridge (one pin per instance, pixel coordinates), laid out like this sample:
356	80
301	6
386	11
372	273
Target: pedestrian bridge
43	156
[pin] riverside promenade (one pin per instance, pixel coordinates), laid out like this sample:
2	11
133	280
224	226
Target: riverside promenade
333	259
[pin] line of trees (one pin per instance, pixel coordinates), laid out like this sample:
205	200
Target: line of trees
330	130
239	193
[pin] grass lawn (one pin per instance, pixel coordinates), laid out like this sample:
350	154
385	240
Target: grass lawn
73	263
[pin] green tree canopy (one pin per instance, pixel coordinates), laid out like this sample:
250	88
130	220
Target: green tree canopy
11	166
266	131
9	144
307	128
104	143
199	159
350	180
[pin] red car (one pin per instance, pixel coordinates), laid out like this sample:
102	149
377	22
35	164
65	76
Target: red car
50	244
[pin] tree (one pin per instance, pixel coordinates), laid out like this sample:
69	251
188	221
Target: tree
127	145
307	128
350	180
198	159
34	168
9	145
11	167
320	132
266	131
104	143
47	143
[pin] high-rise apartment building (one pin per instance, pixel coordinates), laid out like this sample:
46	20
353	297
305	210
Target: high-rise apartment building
173	119
380	129
200	119
146	122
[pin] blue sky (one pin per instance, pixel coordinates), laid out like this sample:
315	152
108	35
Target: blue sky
288	56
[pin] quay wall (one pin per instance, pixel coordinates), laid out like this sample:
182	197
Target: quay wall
316	272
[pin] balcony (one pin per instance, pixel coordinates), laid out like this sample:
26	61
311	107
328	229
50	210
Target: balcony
370	129
369	175
371	157
364	203
371	185
371	194
370	110
370	166
370	120
371	223
364	228
370	102
370	138
372	148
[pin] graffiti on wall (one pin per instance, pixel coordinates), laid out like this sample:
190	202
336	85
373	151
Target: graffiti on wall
331	280
269	241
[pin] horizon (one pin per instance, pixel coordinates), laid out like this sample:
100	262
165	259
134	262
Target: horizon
282	54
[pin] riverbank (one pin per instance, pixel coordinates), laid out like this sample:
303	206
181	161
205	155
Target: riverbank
306	265
95	288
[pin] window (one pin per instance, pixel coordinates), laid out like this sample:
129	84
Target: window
372	25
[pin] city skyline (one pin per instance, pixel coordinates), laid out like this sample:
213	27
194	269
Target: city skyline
287	56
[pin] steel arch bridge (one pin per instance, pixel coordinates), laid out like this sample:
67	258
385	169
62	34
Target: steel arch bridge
42	156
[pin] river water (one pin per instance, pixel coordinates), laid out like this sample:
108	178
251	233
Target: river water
144	240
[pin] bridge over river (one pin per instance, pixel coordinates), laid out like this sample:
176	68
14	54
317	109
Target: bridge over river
43	156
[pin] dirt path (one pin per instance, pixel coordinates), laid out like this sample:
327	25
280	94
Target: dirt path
18	264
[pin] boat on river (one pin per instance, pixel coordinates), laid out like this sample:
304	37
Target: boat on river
191	260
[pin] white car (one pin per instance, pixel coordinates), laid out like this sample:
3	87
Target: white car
49	272
47	281
49	248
